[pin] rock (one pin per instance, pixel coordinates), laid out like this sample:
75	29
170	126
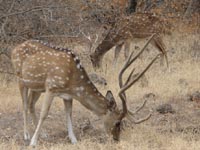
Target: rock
194	96
149	96
165	108
188	97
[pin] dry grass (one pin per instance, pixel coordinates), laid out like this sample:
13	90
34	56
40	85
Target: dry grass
179	131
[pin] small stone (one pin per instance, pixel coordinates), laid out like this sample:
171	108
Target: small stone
195	96
165	108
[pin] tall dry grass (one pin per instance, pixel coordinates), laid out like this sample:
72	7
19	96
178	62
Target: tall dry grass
182	78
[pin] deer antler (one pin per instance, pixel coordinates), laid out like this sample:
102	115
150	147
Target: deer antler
130	81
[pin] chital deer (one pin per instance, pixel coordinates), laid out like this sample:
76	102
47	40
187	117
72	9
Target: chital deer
138	25
58	72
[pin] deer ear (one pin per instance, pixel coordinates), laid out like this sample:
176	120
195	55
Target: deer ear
111	100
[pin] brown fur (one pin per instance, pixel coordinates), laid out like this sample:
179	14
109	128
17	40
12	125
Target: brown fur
57	72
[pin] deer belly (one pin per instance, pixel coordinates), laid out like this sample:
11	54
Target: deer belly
33	83
33	78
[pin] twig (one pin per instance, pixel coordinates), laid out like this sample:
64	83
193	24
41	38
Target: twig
6	20
37	8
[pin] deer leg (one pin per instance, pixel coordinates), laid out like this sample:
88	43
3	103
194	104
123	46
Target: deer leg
44	112
158	43
24	95
33	97
127	48
118	49
68	111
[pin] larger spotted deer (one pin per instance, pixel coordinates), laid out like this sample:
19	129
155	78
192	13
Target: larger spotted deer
58	73
138	25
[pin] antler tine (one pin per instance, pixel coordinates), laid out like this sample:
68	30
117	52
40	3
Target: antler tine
138	109
126	65
129	77
123	95
125	87
129	117
130	61
130	114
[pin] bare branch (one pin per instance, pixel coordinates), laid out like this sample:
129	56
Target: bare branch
37	8
6	20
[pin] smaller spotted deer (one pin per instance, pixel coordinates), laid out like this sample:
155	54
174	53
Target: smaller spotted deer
125	28
58	72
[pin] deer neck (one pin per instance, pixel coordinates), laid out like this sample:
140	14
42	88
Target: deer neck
92	99
101	50
95	104
105	45
87	94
